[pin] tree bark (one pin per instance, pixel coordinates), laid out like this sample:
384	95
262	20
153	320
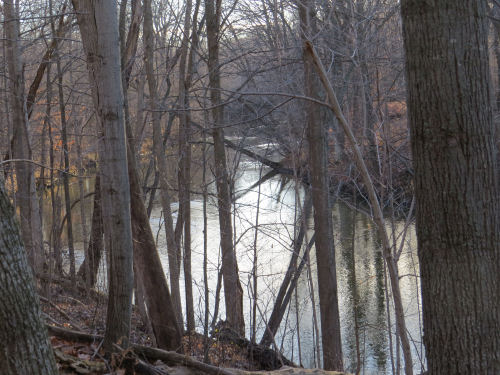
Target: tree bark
90	267
97	20
31	227
64	136
458	223
233	291
150	271
25	347
150	274
323	226
184	173
173	248
378	217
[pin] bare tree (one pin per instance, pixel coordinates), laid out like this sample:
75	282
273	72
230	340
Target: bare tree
323	226
99	31
161	163
151	280
31	227
184	173
233	292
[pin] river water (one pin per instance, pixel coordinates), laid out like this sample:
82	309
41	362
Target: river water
360	271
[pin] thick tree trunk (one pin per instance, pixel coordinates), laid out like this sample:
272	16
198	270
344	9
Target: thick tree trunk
458	223
31	227
99	30
25	347
233	291
323	226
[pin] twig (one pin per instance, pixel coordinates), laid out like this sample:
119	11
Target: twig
41	165
76	300
62	312
47	316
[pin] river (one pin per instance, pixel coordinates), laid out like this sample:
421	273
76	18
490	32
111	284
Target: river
360	273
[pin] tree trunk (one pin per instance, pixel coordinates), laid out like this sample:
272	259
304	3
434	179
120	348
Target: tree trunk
280	302
90	266
159	303
31	227
150	274
184	173
25	347
161	163
378	217
233	291
323	226
67	198
81	190
99	30
458	223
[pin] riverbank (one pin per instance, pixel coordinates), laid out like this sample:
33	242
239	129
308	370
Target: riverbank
76	323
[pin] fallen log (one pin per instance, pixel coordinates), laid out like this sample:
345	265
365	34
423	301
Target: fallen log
176	359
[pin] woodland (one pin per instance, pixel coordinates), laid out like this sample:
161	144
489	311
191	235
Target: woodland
249	187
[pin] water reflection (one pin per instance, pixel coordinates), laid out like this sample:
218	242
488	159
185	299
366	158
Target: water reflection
361	274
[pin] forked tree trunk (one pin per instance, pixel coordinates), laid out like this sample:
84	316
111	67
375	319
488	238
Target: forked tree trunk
457	195
99	31
233	291
25	347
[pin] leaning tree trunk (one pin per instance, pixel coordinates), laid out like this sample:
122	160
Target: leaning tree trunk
281	302
25	347
458	223
173	247
150	274
378	217
233	292
99	30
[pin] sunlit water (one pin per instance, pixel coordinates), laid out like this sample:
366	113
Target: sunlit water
274	245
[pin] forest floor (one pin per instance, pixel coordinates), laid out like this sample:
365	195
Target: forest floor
69	310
